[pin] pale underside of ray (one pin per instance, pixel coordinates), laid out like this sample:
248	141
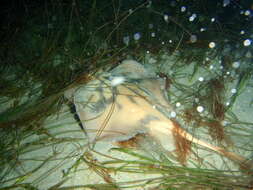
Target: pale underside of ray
126	111
140	106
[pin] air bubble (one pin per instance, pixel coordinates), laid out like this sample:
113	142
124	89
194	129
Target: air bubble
126	40
200	109
236	64
247	13
233	91
193	38
150	26
178	104
183	9
192	17
211	44
137	36
166	18
115	81
173	114
202	29
226	3
247	42
201	79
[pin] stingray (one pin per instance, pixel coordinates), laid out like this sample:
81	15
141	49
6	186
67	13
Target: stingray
130	100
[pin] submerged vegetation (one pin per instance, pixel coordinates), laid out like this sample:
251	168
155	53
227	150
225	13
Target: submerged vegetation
49	47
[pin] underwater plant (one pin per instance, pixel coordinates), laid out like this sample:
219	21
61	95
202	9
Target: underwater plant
78	113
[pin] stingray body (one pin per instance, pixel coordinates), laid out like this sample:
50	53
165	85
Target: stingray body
135	105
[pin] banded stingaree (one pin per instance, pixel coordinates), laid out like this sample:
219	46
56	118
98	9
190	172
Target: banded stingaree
136	105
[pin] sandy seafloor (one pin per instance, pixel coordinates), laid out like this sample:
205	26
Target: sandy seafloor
64	125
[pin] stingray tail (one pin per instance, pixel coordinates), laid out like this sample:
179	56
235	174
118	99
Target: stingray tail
245	165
